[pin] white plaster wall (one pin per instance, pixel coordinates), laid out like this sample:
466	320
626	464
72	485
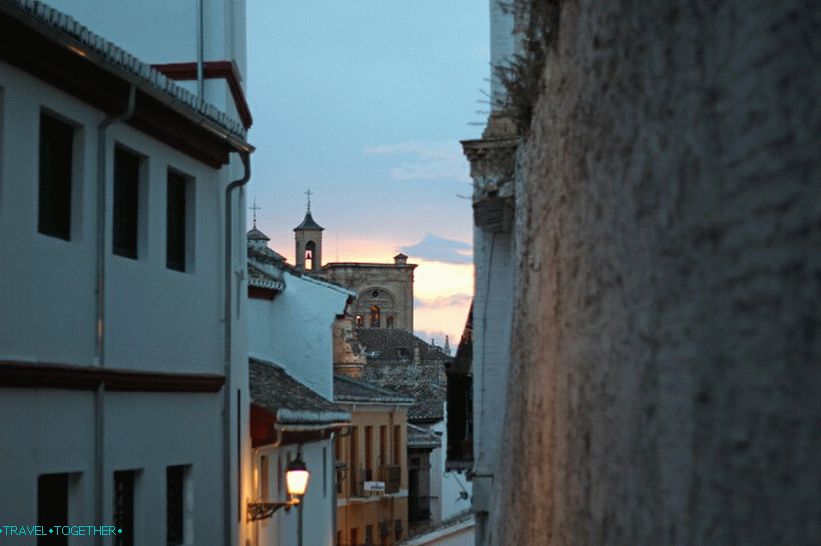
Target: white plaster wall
317	506
156	319
492	316
502	47
162	31
46	284
51	431
49	283
295	330
451	484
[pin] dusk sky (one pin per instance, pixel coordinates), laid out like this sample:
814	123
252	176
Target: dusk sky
364	102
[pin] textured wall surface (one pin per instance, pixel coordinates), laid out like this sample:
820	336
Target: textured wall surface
665	378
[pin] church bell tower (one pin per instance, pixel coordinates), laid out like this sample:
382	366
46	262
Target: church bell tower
308	237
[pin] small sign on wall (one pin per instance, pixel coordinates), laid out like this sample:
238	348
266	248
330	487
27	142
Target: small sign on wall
374	487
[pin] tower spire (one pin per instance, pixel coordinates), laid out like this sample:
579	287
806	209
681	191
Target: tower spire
309	193
255	208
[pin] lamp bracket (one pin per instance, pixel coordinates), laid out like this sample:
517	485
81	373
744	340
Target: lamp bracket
264	510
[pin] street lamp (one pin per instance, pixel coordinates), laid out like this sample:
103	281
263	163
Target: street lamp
296	480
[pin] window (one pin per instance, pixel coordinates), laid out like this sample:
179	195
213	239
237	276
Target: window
175	504
369	535
368	453
176	221
383	444
279	476
324	471
353	458
375	316
360	321
264	488
397	529
397	443
54	193
126	199
124	507
389	321
354	537
52	506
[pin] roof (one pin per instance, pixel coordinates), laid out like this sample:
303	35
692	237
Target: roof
287	399
430	402
396	344
256	235
60	52
421	437
97	49
347	389
308	223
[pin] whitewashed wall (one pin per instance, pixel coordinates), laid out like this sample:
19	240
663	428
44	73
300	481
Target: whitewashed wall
157	320
317	506
294	330
162	31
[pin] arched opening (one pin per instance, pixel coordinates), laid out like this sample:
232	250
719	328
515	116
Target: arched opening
375	316
360	321
310	247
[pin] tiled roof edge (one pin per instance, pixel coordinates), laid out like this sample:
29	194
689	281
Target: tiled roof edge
117	56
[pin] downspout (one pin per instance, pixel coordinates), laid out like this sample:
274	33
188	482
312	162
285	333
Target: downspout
99	326
200	49
246	163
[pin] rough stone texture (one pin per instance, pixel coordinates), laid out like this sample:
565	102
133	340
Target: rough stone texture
665	378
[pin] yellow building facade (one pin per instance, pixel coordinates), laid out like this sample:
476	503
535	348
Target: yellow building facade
371	465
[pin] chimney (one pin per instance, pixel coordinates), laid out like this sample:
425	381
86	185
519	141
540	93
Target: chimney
400	259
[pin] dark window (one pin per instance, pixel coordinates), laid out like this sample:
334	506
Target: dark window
124	507
126	198
360	321
56	151
369	535
175	222
397	443
375	316
390	322
52	506
264	479
368	453
383	445
174	498
397	529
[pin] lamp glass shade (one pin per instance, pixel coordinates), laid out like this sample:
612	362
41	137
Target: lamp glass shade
296	478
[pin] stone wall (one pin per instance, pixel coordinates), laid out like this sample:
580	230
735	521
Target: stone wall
665	384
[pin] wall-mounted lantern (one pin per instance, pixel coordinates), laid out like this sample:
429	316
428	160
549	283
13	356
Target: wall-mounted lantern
296	480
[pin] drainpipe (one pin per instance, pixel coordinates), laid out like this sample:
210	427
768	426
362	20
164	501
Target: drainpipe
99	325
200	49
246	163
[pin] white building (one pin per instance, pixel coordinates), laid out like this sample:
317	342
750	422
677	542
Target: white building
122	380
492	160
291	317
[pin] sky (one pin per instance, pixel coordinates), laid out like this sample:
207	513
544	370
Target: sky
365	102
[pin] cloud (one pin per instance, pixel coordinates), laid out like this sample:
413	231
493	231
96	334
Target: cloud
438	249
453	300
438	160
